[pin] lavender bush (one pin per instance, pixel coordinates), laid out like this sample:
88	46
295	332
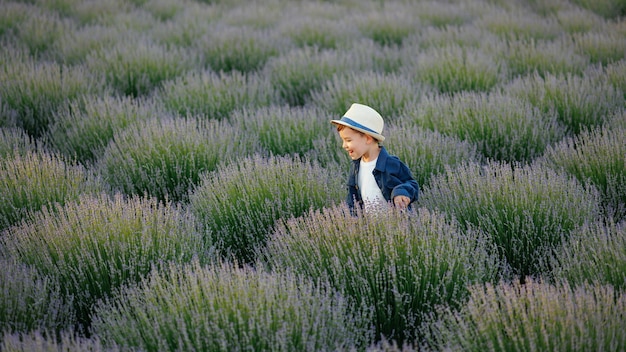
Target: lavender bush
224	308
601	47
14	13
84	128
39	178
325	30
14	141
616	75
165	158
579	102
595	255
462	35
604	8
233	48
528	56
452	68
596	157
95	244
518	23
40	29
30	301
387	23
284	130
526	211
388	93
43	341
239	204
189	24
400	265
578	20
137	67
73	47
427	152
215	95
534	316
503	127
300	71
34	90
445	15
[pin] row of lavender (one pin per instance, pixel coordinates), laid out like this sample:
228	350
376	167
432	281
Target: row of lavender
170	180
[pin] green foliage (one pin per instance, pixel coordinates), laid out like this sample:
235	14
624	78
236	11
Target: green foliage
190	24
535	316
501	126
596	157
578	20
526	211
601	47
366	55
595	255
443	14
94	12
518	24
34	90
31	301
463	36
40	29
388	23
238	48
37	178
164	158
255	15
284	130
527	56
240	203
137	67
611	9
73	47
94	245
320	32
400	265
427	152
387	93
297	73
43	341
83	128
15	141
164	10
224	308
452	68
14	13
215	95
616	75
579	101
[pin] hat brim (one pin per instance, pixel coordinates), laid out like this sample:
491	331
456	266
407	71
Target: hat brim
376	136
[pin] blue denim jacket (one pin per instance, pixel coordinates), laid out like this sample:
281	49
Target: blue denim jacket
392	176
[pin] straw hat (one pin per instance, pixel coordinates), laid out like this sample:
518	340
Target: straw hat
363	119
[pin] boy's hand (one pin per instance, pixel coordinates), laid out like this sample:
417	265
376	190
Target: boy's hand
401	201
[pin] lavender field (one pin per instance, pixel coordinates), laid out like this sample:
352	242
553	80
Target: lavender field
170	181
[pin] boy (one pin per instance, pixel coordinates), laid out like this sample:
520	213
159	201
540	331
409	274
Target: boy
375	177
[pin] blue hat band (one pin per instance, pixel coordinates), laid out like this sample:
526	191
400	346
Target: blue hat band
353	123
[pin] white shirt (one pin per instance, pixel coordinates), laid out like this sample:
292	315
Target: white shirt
370	193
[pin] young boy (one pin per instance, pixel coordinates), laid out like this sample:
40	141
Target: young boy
375	177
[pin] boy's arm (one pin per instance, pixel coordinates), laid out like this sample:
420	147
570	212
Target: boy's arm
407	186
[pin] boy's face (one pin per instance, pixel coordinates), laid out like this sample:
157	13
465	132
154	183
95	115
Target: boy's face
356	143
